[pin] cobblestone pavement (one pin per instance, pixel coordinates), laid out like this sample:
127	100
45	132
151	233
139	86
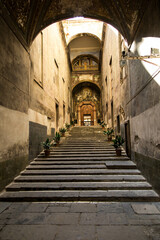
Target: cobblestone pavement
80	221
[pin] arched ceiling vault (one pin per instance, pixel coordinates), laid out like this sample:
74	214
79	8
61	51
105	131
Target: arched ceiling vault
29	17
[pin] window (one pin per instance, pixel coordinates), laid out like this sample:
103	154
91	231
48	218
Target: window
57	115
56	73
106	80
118	124
110	62
63	113
56	63
155	51
112	114
107	112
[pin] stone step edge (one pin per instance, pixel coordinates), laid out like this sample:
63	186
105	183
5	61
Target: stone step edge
76	187
111	195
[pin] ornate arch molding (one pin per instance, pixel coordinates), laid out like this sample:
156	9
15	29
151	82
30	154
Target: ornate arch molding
80	84
86	103
85	63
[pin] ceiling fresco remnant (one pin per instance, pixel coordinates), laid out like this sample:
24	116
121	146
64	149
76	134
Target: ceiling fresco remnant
31	16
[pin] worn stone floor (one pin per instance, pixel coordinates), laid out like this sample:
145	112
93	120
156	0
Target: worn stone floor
80	221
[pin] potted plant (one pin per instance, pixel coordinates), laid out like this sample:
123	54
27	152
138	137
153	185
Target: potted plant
67	126
46	146
62	131
72	123
109	133
57	138
117	143
103	125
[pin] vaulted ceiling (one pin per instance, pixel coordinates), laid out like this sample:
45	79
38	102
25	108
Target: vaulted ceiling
28	17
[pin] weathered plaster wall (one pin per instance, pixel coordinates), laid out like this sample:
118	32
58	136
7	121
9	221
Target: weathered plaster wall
30	86
49	85
113	87
145	101
139	96
14	100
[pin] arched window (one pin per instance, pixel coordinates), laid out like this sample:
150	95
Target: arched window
85	63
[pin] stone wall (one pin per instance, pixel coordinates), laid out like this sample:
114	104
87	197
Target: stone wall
14	100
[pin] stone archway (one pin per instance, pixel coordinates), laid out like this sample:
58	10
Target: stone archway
87	114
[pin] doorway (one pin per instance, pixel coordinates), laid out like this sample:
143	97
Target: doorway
87	114
87	119
128	138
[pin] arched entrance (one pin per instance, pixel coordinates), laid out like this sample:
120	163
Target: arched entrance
86	104
87	114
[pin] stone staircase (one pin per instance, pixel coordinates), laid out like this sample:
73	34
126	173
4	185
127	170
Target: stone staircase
83	168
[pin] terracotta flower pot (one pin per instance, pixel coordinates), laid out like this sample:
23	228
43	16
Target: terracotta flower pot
118	152
109	138
47	152
57	144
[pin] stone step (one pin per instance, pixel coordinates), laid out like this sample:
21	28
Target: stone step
120	164
72	150
99	195
50	162
80	166
86	147
80	178
80	155
82	152
77	186
41	158
81	172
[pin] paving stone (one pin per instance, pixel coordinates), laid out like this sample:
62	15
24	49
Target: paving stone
28	232
4	206
60	204
58	209
88	218
76	233
37	207
4	218
1	227
83	207
64	218
117	219
110	207
145	208
17	207
153	232
29	219
121	233
144	222
128	208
